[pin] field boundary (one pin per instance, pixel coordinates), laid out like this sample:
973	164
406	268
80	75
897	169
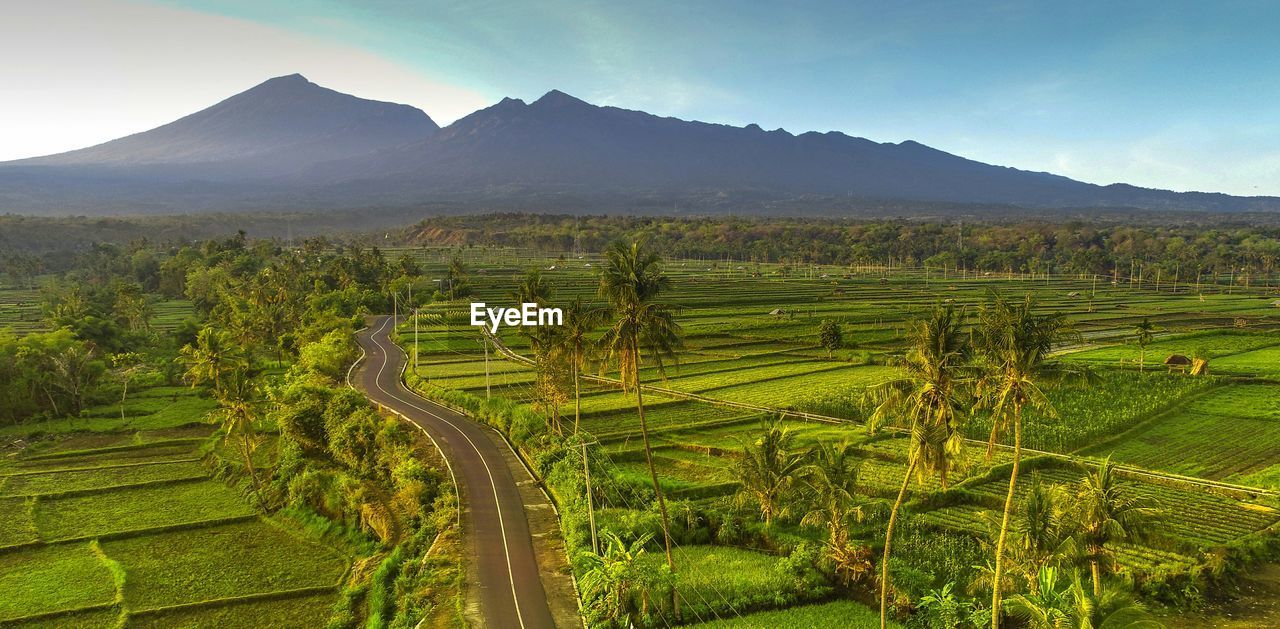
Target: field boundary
61	470
1073	458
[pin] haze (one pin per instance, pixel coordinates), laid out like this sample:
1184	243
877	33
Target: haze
1170	95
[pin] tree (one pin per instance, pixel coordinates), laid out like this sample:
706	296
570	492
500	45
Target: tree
577	347
631	282
238	414
1143	330
1055	607
1014	342
769	470
211	358
1043	534
928	400
125	366
1106	512
456	279
552	375
830	336
609	580
75	370
832	479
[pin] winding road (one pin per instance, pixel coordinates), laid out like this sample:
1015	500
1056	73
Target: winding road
494	520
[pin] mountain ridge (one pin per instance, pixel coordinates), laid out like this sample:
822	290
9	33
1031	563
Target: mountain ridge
290	143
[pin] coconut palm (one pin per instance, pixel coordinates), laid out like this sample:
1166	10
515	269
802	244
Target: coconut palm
211	358
532	289
1043	533
769	471
238	414
643	328
832	479
1107	512
928	401
1014	342
456	278
577	347
1144	331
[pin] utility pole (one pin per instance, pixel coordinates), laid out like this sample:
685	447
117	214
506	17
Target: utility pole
485	340
591	510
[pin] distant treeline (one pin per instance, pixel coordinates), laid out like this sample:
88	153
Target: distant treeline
1179	245
1035	246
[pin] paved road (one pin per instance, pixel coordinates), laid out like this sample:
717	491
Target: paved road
511	592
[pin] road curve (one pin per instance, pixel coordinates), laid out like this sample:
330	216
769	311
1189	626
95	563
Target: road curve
494	521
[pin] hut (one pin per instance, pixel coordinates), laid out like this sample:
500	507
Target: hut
777	312
1177	362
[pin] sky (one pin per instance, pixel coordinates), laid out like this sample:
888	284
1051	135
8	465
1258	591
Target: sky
1171	94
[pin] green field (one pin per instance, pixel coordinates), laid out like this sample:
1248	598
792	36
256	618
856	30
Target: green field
745	363
96	526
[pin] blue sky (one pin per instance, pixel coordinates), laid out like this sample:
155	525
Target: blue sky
1177	95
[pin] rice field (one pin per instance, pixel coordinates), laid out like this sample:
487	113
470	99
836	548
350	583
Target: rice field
751	352
125	526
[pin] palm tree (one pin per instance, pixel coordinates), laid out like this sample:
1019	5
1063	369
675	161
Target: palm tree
532	289
1106	512
1014	343
928	399
631	282
1050	607
576	345
832	480
238	414
1043	532
456	277
211	357
768	470
1143	330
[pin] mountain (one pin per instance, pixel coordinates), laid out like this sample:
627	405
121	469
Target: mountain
281	126
288	144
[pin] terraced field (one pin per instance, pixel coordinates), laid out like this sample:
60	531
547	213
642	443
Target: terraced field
99	527
751	345
1229	434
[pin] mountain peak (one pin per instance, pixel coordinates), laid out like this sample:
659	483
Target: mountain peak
556	98
288	78
284	124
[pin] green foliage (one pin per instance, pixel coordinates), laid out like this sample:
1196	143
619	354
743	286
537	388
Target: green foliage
830	336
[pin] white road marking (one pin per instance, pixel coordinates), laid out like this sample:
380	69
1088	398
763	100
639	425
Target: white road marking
497	502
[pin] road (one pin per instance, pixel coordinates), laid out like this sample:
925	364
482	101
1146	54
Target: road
494	520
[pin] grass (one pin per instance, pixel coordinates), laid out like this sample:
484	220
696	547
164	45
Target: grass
833	615
52	578
81	484
72	480
219	562
16	524
303	611
1229	434
137	508
159	408
726	579
107	618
